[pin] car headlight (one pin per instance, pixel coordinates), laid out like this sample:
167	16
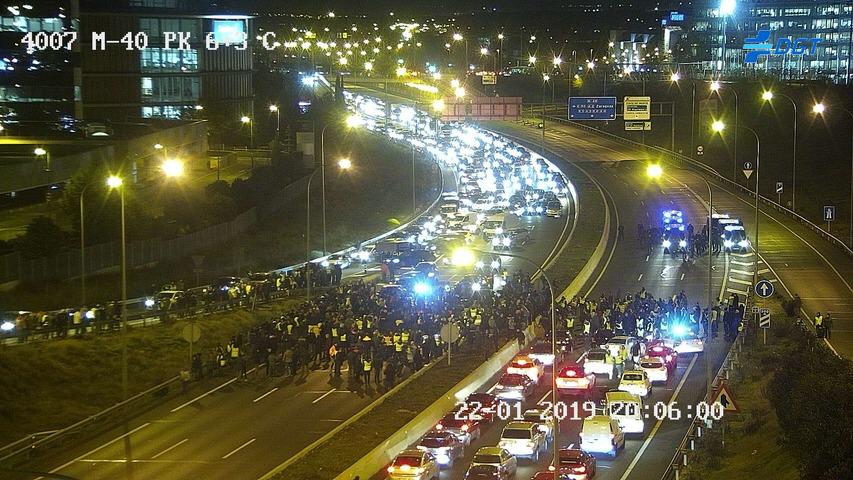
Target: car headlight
506	242
499	231
495	265
667	244
149	302
728	244
682	243
743	243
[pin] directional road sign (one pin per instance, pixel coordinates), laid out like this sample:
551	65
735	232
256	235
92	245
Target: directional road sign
829	213
779	187
592	108
747	169
726	399
764	319
637	108
764	289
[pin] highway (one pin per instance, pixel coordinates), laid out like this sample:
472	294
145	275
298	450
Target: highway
243	429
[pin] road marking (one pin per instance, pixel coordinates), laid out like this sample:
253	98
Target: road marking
742	282
97	449
492	389
743	272
640	277
543	398
682	275
330	420
660	421
264	395
764	270
743	264
169	449
139	460
229	382
739	292
325	395
647	258
239	448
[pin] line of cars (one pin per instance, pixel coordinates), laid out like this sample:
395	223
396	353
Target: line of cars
674	236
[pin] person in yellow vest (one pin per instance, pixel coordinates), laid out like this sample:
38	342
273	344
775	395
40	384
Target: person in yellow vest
398	322
404	337
608	359
333	353
570	323
359	324
818	325
397	337
366	367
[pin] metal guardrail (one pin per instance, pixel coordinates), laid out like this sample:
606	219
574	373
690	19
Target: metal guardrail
15	450
683	160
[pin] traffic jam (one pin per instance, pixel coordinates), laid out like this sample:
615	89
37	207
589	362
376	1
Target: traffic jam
502	193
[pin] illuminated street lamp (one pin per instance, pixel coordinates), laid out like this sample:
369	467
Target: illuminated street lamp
674	77
717	87
277	111
457	37
767	96
531	59
727	9
460	92
818	109
718	127
172	168
454	83
590	65
464	257
354	121
438	105
557	62
115	182
368	66
245	120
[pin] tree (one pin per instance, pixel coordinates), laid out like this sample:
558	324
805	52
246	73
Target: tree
43	238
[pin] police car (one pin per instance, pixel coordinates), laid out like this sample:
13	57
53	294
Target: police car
734	238
673	232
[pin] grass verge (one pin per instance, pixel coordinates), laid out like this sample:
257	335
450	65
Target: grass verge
53	384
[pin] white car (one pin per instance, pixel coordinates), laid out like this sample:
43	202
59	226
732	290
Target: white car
596	363
689	345
636	382
602	434
413	465
655	368
523	439
524	365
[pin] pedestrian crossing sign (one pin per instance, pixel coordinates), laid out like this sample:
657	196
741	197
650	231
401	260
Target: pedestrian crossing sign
725	399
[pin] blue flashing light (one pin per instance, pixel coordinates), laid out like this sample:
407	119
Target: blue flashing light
422	288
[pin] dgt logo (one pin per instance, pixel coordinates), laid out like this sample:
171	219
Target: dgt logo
760	45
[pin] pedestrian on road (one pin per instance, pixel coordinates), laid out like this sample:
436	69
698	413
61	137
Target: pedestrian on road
827	326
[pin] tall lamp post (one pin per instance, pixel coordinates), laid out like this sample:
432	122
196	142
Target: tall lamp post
115	183
674	78
718	127
727	9
716	87
464	256
654	171
245	120
545	79
818	109
458	37
767	96
343	164
277	111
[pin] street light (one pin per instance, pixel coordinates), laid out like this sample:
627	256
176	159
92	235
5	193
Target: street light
818	109
277	111
655	171
344	164
354	121
460	92
768	96
457	37
718	127
438	105
464	256
557	61
716	87
248	121
172	168
531	59
115	182
727	9
674	77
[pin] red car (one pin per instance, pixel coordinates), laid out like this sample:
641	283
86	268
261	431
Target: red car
482	406
572	381
668	355
576	464
463	427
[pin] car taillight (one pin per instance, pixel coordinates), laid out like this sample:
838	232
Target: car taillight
580	469
464	428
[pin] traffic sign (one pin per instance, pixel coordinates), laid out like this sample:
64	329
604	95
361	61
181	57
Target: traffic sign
637	108
764	289
700	150
634	126
725	399
747	169
764	319
592	108
191	332
779	187
450	333
490	79
829	213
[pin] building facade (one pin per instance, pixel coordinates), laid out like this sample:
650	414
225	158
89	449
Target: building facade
165	59
718	37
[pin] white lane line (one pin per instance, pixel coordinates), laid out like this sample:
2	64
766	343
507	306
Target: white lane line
330	420
264	395
682	276
96	449
743	264
229	382
739	292
239	448
170	449
324	395
640	277
742	282
763	271
659	422
647	258
139	460
492	389
543	398
744	272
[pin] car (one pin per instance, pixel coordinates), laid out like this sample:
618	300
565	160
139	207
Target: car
443	445
483	405
518	237
673	239
542	353
734	239
601	434
597	362
689	344
656	369
602	336
575	464
627	409
485	472
364	254
513	386
426	269
669	356
636	382
170	300
543	418
572	380
463	427
498	457
525	365
413	464
565	341
524	440
554	209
